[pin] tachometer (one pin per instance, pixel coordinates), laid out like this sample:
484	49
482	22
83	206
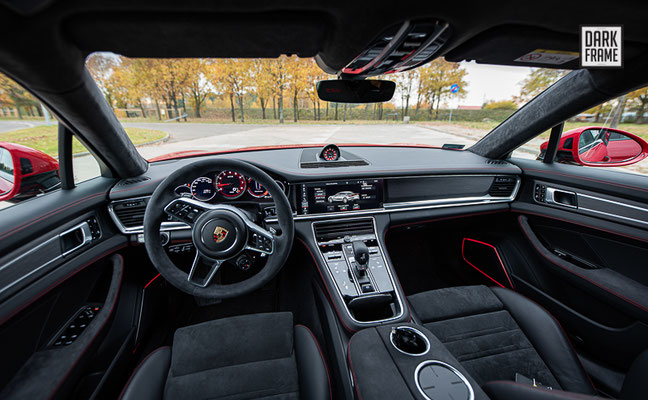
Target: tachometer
256	189
231	184
203	188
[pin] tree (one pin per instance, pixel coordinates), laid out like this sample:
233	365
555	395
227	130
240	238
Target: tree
639	99
298	76
197	84
501	105
14	95
277	73
436	79
102	67
263	83
537	81
406	84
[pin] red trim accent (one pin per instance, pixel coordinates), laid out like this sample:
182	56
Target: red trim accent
328	378
49	214
325	285
463	255
151	281
137	187
566	338
121	275
581	224
355	379
121	395
58	282
542	253
587	179
194	153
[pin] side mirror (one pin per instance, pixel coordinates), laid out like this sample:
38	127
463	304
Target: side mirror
25	172
596	146
355	91
604	147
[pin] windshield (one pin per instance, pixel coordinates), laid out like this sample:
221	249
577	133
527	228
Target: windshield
187	105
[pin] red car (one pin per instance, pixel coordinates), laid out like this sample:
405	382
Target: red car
25	172
599	146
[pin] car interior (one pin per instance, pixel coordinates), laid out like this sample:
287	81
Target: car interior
323	271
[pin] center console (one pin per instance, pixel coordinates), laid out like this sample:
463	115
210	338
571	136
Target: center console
406	361
355	262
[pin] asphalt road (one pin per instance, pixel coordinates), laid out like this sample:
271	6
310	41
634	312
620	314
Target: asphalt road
7	126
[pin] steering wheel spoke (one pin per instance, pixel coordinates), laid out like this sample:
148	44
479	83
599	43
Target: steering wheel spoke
259	239
198	266
219	232
185	209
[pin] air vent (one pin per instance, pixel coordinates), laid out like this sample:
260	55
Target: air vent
131	181
337	230
502	186
400	48
130	213
496	162
333	164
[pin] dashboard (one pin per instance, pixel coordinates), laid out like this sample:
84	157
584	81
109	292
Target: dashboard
362	181
220	186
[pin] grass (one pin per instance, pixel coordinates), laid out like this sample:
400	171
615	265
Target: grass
45	138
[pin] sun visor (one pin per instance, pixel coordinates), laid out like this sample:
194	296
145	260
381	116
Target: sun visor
526	46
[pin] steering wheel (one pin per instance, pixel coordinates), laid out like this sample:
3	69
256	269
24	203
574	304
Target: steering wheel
219	232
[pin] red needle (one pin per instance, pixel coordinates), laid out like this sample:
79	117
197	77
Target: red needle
223	184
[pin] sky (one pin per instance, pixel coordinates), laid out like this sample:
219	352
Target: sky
491	82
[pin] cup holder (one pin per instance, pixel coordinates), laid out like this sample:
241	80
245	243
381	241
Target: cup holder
409	341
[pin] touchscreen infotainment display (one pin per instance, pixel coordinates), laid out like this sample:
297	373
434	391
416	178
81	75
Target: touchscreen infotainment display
341	196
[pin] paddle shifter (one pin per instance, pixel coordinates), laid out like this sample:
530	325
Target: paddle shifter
361	255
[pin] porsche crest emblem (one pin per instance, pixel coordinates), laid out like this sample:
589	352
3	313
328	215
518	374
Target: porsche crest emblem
220	234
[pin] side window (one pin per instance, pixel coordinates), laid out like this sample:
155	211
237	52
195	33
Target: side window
611	135
29	164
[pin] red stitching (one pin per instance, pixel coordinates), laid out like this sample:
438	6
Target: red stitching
59	281
326	286
581	224
355	379
121	395
542	253
328	378
49	214
137	187
121	275
587	179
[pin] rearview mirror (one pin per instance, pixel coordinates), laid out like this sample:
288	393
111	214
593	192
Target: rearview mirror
25	172
596	146
355	91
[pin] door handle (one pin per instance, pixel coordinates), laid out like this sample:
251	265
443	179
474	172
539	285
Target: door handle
75	238
562	197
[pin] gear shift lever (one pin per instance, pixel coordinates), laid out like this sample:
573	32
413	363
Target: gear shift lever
361	255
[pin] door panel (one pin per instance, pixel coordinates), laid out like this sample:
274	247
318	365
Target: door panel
59	270
46	344
587	257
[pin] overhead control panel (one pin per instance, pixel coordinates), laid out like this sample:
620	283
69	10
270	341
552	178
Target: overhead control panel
399	48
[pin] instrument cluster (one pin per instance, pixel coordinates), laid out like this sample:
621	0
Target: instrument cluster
225	185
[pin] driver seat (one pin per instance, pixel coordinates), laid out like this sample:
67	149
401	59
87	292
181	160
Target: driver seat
259	356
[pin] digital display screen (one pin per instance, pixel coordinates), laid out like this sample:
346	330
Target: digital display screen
341	196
